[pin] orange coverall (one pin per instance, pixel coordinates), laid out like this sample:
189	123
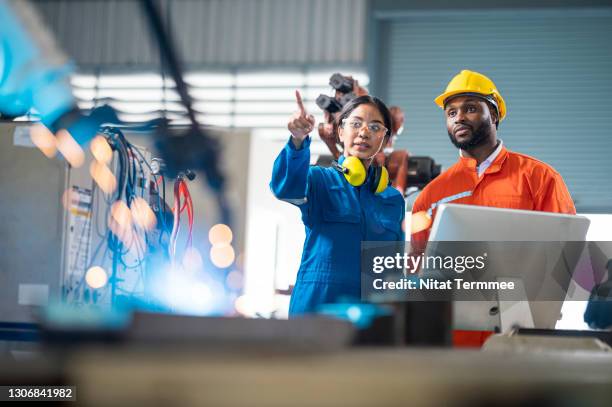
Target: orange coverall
513	180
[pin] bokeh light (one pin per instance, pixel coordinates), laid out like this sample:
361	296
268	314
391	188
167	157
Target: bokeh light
142	214
43	139
104	177
222	256
220	234
121	214
96	277
124	234
120	221
70	149
101	150
242	305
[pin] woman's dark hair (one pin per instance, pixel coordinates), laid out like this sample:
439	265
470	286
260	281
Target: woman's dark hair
364	100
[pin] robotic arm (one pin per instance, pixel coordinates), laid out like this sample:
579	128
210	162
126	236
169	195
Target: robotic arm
33	70
34	74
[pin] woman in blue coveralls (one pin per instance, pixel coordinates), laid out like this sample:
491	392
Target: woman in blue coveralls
337	215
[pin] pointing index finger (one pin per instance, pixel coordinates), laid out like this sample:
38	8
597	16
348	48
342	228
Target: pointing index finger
298	98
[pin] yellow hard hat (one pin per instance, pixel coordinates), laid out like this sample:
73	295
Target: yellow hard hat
470	82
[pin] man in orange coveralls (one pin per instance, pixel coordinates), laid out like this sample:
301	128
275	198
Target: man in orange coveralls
487	173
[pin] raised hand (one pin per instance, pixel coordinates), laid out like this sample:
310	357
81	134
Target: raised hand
301	123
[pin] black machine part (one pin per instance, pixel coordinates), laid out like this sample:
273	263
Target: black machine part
341	83
328	103
333	105
421	170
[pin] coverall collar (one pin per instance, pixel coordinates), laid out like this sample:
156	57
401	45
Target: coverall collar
493	163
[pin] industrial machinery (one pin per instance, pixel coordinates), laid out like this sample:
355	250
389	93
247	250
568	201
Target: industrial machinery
34	76
120	216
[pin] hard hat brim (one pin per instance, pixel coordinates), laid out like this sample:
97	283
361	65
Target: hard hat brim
441	100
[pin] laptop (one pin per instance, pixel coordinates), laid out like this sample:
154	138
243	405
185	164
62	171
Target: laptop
551	264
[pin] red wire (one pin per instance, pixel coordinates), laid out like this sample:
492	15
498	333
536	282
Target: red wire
189	206
181	192
190	216
176	224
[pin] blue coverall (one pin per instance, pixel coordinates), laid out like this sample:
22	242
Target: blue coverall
337	217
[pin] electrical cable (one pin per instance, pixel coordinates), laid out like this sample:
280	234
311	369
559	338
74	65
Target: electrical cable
129	255
177	220
157	180
182	202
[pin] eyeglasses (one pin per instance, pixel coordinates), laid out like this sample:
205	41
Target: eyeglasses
356	124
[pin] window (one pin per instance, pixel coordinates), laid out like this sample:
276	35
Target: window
253	99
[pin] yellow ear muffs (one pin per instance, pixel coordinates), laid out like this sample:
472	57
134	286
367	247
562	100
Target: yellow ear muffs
381	181
354	171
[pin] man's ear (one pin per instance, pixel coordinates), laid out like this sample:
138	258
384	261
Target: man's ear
341	134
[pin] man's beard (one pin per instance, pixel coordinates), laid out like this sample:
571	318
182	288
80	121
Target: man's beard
479	136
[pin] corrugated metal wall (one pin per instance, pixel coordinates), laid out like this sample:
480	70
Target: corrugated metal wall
552	67
111	33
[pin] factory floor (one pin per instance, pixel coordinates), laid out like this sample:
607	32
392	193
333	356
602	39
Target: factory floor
190	376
